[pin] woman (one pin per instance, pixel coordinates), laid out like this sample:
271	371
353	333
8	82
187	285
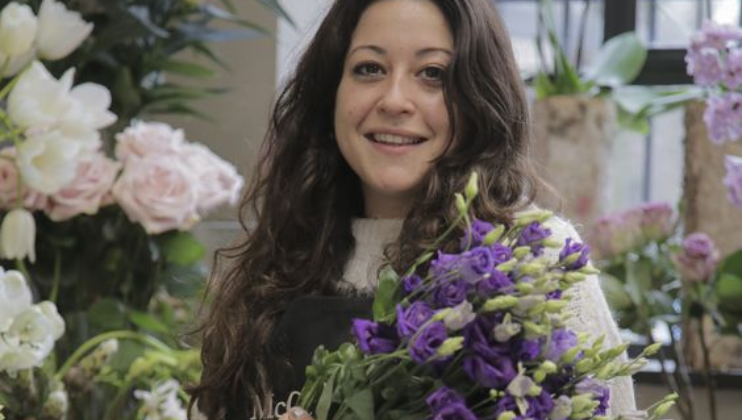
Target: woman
391	107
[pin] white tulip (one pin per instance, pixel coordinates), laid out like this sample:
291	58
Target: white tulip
48	162
16	63
39	101
18	27
56	323
60	30
87	114
15	297
18	235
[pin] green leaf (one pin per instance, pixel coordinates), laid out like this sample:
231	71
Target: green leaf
615	293
728	291
325	400
185	68
148	322
183	281
362	404
732	264
387	294
276	7
181	248
633	122
107	314
544	87
619	61
141	14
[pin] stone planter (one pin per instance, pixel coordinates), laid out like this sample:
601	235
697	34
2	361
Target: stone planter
572	143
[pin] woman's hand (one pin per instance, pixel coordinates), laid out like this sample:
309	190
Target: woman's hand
296	413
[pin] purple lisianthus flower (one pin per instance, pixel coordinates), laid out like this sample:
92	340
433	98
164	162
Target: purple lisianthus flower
496	283
449	293
698	258
600	391
476	263
411	283
445	266
443	397
425	342
374	338
573	247
475	234
494	373
532	235
561	341
409	320
457	411
733	179
555	294
539	407
501	253
723	117
526	350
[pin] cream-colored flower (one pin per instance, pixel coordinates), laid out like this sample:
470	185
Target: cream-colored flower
18	27
48	162
18	235
15	296
60	30
38	102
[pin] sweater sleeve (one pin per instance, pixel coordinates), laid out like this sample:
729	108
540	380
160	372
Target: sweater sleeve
590	314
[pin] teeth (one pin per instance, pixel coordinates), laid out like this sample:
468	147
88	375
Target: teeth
392	139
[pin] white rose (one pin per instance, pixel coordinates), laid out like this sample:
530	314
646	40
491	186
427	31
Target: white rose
48	162
15	297
158	192
9	185
87	190
145	138
18	27
18	235
217	181
60	30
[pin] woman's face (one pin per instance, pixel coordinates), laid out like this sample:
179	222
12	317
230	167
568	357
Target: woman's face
391	120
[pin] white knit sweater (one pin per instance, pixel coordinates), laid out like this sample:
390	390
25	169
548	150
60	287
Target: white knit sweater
588	308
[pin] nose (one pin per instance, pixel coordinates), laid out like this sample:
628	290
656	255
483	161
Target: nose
397	97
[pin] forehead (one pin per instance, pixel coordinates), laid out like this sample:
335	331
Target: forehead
414	23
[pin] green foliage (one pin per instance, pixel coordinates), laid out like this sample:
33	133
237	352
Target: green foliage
387	295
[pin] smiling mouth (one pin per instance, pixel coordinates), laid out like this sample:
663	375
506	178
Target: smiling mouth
394	140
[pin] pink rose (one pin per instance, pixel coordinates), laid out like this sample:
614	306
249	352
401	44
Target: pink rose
217	181
158	192
87	192
697	258
145	138
9	185
658	221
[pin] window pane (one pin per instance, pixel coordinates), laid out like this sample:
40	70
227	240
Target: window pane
671	23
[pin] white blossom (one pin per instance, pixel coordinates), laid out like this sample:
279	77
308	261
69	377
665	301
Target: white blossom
18	235
60	30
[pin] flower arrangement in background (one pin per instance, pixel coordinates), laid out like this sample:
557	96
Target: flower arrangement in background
714	60
652	276
96	205
481	334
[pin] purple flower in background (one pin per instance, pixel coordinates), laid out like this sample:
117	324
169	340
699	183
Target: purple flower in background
411	283
411	319
475	263
532	235
497	283
374	338
600	391
698	258
573	247
733	179
657	221
733	78
476	233
615	234
449	293
723	117
526	350
457	411
493	373
501	253
705	66
443	397
426	342
715	36
561	341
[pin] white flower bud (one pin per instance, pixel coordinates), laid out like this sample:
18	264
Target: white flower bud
17	29
18	235
60	30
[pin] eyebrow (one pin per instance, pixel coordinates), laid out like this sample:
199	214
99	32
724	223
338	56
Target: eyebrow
421	53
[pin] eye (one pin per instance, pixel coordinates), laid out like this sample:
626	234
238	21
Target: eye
368	69
433	73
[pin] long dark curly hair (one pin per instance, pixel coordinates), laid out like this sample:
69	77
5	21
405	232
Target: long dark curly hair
304	195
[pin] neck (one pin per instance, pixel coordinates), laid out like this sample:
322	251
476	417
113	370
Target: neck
383	206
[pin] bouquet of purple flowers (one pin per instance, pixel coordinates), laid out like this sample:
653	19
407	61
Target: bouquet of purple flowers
481	335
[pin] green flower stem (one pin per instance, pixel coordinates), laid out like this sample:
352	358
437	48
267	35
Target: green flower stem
710	382
118	401
7	88
21	266
98	339
57	276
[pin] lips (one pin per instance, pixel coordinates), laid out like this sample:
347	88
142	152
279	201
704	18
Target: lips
394	139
